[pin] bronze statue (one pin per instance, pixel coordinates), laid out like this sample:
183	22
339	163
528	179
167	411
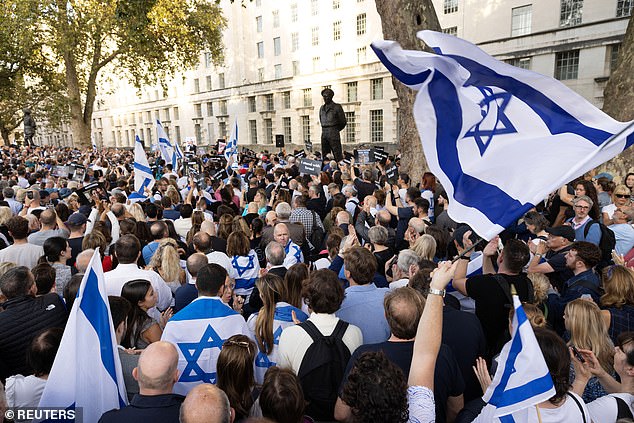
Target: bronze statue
333	120
29	127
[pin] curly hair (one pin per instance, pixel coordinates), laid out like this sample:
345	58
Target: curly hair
376	390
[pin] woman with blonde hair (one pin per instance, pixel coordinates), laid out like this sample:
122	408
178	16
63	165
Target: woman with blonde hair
166	262
5	215
136	211
425	247
618	300
245	266
225	226
620	198
275	316
173	194
241	225
587	331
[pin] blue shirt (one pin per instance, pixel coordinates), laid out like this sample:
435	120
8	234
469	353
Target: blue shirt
594	233
624	234
573	289
149	250
184	295
363	307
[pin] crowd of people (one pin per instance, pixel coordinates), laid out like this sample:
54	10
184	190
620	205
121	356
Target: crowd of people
266	294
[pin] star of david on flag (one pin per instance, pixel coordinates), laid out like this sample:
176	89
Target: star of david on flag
231	150
192	352
498	137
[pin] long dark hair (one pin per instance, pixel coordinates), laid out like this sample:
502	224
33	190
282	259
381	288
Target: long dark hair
53	249
591	192
135	291
272	291
294	280
236	374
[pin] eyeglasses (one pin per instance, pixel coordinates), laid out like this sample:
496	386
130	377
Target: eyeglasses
622	195
582	207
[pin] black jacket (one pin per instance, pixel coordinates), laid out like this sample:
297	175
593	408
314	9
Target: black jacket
23	318
147	408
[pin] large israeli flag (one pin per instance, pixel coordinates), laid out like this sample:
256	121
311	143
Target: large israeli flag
87	372
165	146
198	332
500	138
143	176
231	150
282	319
522	378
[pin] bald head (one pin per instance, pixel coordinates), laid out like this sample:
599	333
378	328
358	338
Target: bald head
83	259
118	210
280	234
195	262
383	217
206	403
48	218
417	224
343	218
157	369
207	227
271	218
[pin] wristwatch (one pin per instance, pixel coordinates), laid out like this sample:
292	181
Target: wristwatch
440	292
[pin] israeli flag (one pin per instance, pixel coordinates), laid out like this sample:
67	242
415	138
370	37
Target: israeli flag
486	126
177	149
198	332
282	319
87	372
93	142
522	378
245	271
143	176
231	150
165	146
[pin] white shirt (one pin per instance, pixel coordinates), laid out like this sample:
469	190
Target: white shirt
24	391
182	225
116	278
22	254
605	409
399	283
569	411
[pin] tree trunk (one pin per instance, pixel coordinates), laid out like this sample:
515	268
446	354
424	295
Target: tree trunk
5	135
80	128
618	100
401	20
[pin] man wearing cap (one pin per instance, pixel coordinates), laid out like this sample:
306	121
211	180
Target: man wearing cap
77	225
550	257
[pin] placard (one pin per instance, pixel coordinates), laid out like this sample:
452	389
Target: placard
310	167
79	174
362	157
300	154
220	175
377	155
392	174
220	147
308	145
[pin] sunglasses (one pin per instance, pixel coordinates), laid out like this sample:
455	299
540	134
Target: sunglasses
622	195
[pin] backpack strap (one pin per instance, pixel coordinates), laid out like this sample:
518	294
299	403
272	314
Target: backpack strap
504	285
340	329
311	329
586	228
624	411
578	405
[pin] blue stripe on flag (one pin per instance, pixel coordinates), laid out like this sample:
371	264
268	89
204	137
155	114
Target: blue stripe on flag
284	313
245	283
404	77
204	307
507	419
142	168
95	310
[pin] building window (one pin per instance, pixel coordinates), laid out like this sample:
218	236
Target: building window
166	115
286	123
360	55
521	20
571	11
221	80
207	59
450	6
260	74
196	85
157	116
260	50
307	95
338	56
268	131
268	100
276	19
253	131
350	127
251	103
520	62
223	107
376	125
314	7
361	24
376	86
148	131
198	110
210	108
351	91
306	128
624	8
222	130
176	114
315	35
336	30
210	133
294	12
278	71
148	117
199	134
335	4
286	99
452	30
294	41
316	64
614	55
208	81
258	23
295	68
567	65
277	46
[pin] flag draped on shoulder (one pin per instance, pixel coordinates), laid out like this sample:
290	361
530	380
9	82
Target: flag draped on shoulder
143	176
522	378
231	150
165	146
87	372
498	137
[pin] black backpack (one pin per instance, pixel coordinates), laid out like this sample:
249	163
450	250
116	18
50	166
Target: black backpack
606	245
322	370
317	237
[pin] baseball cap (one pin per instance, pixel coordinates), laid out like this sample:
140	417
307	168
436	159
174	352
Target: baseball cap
77	219
564	231
605	175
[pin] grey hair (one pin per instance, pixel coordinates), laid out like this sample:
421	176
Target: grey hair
583	198
275	253
283	210
378	235
406	258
